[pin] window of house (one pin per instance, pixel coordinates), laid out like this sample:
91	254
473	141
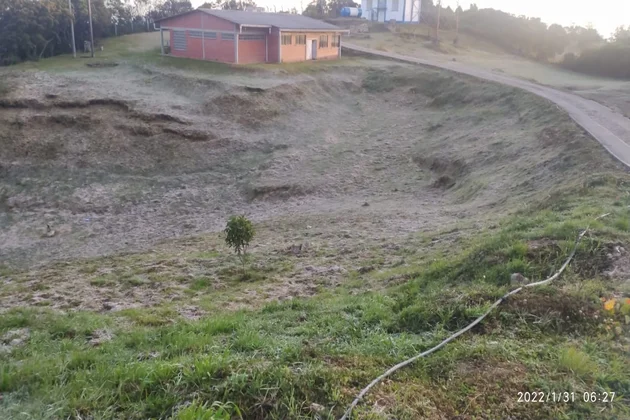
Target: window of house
323	41
210	35
227	37
180	42
252	37
394	5
286	39
336	40
194	34
368	5
300	40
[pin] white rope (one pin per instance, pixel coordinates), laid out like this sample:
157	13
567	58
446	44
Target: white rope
470	326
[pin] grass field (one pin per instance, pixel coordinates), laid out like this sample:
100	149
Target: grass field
392	205
304	357
143	50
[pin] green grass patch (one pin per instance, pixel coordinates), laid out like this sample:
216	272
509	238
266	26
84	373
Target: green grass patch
305	66
150	317
577	362
200	283
4	88
102	281
303	358
203	411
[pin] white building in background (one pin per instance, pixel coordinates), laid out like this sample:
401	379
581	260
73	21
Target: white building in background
402	11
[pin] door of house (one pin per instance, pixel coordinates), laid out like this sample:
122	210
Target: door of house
309	50
313	55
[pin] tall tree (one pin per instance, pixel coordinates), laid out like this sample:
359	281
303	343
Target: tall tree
31	29
170	8
230	4
316	9
584	37
622	35
335	6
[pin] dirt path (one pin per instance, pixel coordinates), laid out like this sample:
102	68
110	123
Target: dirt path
611	129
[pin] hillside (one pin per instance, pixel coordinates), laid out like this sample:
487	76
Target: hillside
392	205
415	40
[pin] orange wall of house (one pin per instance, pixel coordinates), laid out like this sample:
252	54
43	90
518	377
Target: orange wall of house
291	53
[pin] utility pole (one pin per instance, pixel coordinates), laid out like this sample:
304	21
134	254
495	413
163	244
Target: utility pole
91	30
456	40
437	24
74	45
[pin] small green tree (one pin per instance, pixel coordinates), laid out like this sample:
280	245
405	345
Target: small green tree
239	232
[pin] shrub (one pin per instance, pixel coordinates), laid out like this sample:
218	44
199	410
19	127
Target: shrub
239	232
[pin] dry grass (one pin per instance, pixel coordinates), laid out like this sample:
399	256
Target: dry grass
272	147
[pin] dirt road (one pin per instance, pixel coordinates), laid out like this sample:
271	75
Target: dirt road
611	129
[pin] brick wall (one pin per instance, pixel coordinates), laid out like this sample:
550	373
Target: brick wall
219	50
216	49
251	51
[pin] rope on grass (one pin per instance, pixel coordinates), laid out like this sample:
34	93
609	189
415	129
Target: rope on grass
468	328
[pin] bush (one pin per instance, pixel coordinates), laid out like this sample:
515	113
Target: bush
239	232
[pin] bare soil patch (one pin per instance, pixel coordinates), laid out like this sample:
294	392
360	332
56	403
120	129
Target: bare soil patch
100	65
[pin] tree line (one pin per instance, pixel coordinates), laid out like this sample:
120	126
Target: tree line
321	9
32	29
520	35
577	48
318	9
611	59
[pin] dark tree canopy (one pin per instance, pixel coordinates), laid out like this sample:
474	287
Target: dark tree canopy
622	35
230	4
170	8
31	29
317	9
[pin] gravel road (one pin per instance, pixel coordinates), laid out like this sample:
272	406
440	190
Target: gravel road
611	129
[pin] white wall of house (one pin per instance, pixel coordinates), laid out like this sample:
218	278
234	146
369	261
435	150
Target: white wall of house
387	10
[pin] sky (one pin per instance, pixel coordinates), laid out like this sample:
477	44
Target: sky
604	15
